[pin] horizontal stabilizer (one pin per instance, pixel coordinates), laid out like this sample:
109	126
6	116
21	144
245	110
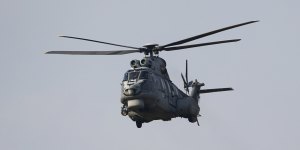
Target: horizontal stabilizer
215	90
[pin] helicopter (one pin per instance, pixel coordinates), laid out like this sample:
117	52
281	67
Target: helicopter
147	92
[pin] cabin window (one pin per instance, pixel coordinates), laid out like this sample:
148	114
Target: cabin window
172	90
168	86
158	83
175	90
163	84
144	75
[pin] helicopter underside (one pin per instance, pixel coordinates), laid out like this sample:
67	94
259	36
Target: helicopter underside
144	115
147	110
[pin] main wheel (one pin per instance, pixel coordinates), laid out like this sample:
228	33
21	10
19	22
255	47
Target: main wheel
124	112
192	119
139	124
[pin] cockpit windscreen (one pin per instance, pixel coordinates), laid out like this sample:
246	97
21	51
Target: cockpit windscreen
135	75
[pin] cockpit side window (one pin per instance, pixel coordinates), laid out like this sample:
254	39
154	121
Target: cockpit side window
125	76
144	75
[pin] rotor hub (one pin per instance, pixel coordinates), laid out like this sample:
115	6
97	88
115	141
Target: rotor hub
150	46
150	49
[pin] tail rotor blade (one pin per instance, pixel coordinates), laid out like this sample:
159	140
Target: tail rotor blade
185	84
184	81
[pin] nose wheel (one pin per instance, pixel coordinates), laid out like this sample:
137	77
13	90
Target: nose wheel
139	124
124	110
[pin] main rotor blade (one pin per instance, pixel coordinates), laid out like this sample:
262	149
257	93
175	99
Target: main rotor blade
121	52
198	45
206	34
71	37
215	90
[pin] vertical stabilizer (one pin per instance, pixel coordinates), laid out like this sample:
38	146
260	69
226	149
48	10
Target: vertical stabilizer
195	93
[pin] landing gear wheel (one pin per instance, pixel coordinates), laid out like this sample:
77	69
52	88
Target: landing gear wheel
139	124
124	110
192	119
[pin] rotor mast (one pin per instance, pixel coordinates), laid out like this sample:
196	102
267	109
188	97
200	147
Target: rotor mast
150	49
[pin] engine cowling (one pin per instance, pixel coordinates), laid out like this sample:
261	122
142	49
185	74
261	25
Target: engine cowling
135	63
146	63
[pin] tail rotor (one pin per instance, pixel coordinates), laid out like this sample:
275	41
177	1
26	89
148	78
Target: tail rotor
196	91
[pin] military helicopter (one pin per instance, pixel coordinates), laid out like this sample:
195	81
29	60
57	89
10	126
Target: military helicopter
147	91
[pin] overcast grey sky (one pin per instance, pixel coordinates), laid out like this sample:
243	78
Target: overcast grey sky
58	102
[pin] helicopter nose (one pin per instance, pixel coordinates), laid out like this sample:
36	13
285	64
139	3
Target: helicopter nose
129	92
